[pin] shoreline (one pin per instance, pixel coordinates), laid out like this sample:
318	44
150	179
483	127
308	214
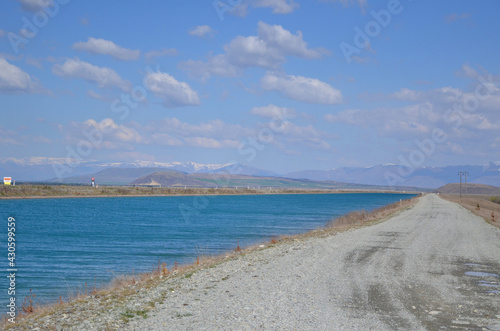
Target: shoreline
110	192
129	285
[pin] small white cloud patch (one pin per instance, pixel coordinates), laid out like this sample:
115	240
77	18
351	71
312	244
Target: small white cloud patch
303	89
14	80
202	31
102	76
171	91
106	47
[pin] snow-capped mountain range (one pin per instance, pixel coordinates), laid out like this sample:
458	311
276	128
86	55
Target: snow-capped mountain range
43	169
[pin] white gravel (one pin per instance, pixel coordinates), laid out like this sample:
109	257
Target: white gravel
406	273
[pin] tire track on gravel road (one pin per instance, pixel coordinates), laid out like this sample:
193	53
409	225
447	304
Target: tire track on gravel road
434	266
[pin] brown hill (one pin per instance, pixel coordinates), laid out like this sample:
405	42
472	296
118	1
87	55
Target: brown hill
171	178
476	189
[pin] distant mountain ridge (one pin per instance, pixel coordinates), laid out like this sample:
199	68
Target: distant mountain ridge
425	177
172	178
42	169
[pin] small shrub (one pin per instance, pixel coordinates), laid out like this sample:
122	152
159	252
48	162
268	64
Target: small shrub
27	306
164	269
495	199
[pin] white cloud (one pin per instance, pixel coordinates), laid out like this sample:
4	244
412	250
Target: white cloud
468	119
9	137
480	122
413	120
268	49
202	31
348	116
469	72
407	95
212	134
211	143
170	131
163	52
439	95
106	47
104	134
102	76
94	95
288	136
215	66
361	3
212	129
14	80
450	97
35	5
293	134
272	111
117	131
171	91
278	6
166	139
303	89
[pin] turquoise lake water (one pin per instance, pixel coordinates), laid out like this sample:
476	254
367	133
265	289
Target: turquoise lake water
61	244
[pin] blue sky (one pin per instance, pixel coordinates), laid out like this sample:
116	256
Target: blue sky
277	84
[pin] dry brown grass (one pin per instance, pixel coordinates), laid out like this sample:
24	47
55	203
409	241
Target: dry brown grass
74	191
30	307
119	289
362	217
495	199
488	210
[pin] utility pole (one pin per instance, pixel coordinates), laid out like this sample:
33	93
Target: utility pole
460	174
464	173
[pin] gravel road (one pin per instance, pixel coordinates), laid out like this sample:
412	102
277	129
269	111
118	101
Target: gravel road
434	266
